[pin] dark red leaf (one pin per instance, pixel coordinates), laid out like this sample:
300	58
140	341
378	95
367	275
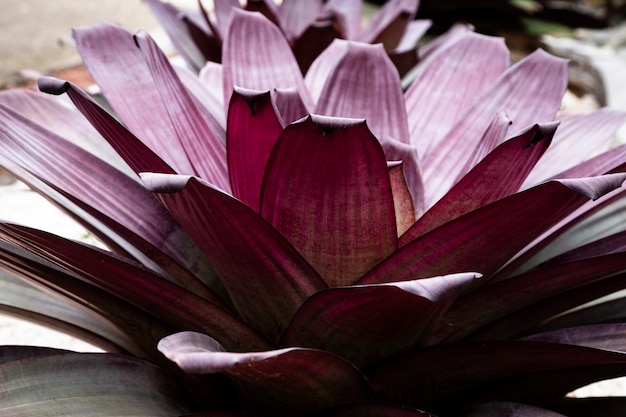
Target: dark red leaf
327	190
252	259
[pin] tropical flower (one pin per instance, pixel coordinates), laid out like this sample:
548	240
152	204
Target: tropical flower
330	244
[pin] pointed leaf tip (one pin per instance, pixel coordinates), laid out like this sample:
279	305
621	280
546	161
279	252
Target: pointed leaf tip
52	85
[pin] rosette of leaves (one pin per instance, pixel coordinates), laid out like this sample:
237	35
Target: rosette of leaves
308	26
328	244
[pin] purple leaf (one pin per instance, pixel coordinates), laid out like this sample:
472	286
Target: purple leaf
22	299
173	21
253	261
135	331
327	190
508	409
43	159
294	379
509	224
253	128
257	57
537	82
57	116
464	71
431	377
223	10
495	301
609	336
498	175
162	299
376	95
334	319
138	156
79	384
575	141
116	64
202	145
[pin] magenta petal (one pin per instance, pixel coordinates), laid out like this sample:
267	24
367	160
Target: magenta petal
137	155
201	143
116	64
509	224
375	95
529	91
498	175
257	57
253	128
450	84
327	189
333	319
294	379
253	261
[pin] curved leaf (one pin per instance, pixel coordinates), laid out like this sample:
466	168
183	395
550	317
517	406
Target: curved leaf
253	128
293	379
465	71
439	376
75	384
509	224
327	190
537	82
498	175
170	18
42	160
165	301
354	322
376	95
258	57
116	64
577	139
609	336
499	299
197	130
138	156
252	259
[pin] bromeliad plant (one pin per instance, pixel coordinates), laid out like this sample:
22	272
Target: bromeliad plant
328	244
